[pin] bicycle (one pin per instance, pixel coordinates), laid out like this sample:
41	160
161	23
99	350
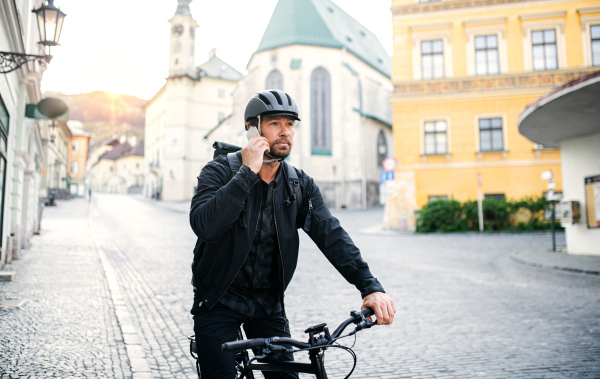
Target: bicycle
319	340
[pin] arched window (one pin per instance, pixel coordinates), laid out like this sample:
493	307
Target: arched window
382	149
275	80
320	111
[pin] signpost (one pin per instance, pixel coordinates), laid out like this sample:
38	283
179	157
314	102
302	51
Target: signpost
547	175
389	165
479	202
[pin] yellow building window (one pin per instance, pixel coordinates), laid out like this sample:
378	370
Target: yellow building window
432	59
595	36
543	46
486	55
490	134
436	139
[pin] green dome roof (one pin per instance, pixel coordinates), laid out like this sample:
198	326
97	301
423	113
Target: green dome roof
322	23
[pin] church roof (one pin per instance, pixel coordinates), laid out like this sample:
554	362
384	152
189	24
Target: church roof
322	23
183	8
138	149
216	68
117	152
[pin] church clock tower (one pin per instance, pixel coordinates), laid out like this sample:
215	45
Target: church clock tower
183	35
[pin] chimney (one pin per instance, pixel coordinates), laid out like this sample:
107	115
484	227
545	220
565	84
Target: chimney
212	52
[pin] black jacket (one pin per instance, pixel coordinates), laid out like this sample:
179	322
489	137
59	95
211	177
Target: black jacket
224	214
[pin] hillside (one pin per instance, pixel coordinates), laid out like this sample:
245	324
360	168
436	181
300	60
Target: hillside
105	115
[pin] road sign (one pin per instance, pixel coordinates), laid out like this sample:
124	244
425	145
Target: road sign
386	176
547	175
389	164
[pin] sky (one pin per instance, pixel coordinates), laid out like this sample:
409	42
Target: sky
122	46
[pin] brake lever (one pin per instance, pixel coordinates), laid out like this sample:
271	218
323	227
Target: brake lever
364	323
273	351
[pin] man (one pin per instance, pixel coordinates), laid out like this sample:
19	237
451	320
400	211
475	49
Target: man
246	222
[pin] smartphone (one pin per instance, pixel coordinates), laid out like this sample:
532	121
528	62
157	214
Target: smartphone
251	132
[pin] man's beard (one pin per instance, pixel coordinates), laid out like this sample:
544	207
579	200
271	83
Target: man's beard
281	153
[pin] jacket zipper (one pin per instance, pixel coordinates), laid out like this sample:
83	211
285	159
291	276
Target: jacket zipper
246	257
280	252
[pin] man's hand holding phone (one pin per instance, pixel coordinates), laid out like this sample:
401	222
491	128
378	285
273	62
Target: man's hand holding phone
252	153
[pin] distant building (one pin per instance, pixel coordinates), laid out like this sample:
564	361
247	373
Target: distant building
192	101
77	159
119	169
463	71
338	73
54	170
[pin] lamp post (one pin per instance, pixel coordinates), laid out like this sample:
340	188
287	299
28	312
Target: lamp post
50	21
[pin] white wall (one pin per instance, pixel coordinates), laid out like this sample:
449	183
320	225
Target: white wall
580	158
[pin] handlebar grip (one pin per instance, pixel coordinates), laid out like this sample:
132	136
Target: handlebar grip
244	345
367	312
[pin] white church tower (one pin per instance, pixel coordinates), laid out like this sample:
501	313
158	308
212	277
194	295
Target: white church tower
180	116
183	35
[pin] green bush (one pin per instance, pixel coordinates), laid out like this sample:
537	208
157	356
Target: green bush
442	216
498	215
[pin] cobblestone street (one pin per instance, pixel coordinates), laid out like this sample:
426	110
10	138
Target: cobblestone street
104	292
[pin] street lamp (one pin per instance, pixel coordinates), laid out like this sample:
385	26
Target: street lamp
50	21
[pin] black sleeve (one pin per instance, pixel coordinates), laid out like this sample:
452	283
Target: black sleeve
219	199
335	243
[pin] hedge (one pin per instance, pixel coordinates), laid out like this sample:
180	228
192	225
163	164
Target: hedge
499	215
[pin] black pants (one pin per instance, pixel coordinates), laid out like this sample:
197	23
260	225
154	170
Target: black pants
219	325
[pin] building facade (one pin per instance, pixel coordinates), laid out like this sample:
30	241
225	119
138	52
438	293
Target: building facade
120	169
77	160
338	73
463	71
54	181
193	100
21	145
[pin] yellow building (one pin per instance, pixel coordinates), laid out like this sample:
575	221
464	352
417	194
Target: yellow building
463	71
77	153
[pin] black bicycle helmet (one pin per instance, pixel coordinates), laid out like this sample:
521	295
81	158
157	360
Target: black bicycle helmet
272	102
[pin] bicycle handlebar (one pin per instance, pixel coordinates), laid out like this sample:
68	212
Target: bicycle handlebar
358	318
245	344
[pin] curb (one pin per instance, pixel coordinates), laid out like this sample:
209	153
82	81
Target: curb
140	367
554	267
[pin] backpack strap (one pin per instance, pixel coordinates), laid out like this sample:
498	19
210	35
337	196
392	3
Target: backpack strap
295	183
235	161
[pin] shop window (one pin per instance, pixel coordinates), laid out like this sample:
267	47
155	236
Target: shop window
4	123
497	196
438	197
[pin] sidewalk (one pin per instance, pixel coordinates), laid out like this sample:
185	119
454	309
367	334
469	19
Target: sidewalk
57	316
560	261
